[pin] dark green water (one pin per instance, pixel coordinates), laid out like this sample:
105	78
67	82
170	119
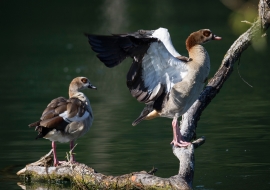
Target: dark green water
43	48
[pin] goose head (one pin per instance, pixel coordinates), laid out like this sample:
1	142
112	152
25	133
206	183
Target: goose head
78	84
200	37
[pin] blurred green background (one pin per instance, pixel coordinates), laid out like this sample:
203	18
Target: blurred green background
43	48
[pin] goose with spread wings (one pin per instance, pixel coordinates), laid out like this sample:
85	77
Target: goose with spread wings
159	76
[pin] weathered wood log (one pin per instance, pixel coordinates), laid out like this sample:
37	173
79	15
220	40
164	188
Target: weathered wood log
85	177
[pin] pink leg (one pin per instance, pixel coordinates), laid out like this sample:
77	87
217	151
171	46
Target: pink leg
72	157
55	160
177	135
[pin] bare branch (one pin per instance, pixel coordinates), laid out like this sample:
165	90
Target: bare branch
247	22
191	117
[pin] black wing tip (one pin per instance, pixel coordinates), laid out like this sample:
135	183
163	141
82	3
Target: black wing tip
92	36
89	36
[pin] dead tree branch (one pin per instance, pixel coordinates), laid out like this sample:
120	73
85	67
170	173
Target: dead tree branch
85	177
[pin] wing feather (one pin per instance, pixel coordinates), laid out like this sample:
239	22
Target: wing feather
61	110
159	66
155	67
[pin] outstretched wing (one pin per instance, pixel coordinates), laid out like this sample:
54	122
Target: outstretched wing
112	50
159	66
155	68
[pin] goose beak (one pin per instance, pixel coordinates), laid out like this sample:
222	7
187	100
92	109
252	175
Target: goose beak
92	86
215	37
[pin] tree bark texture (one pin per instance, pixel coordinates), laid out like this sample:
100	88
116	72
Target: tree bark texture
85	177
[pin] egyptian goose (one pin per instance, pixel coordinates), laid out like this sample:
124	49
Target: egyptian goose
65	120
159	76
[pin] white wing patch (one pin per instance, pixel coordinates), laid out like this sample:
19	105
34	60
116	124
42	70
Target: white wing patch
160	65
163	35
76	118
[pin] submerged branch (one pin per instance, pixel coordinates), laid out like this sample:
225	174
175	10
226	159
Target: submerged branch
87	178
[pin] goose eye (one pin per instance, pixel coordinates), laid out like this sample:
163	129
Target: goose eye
206	33
84	80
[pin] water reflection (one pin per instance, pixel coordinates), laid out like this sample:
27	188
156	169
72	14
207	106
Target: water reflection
45	186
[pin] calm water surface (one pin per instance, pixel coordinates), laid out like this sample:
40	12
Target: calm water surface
43	48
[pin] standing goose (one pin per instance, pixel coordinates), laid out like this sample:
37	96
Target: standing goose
65	120
159	76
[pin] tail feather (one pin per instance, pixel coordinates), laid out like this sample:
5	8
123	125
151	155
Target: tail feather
34	124
147	109
42	131
140	118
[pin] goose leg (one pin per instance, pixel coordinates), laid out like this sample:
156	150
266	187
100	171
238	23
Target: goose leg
72	157
55	160
177	135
